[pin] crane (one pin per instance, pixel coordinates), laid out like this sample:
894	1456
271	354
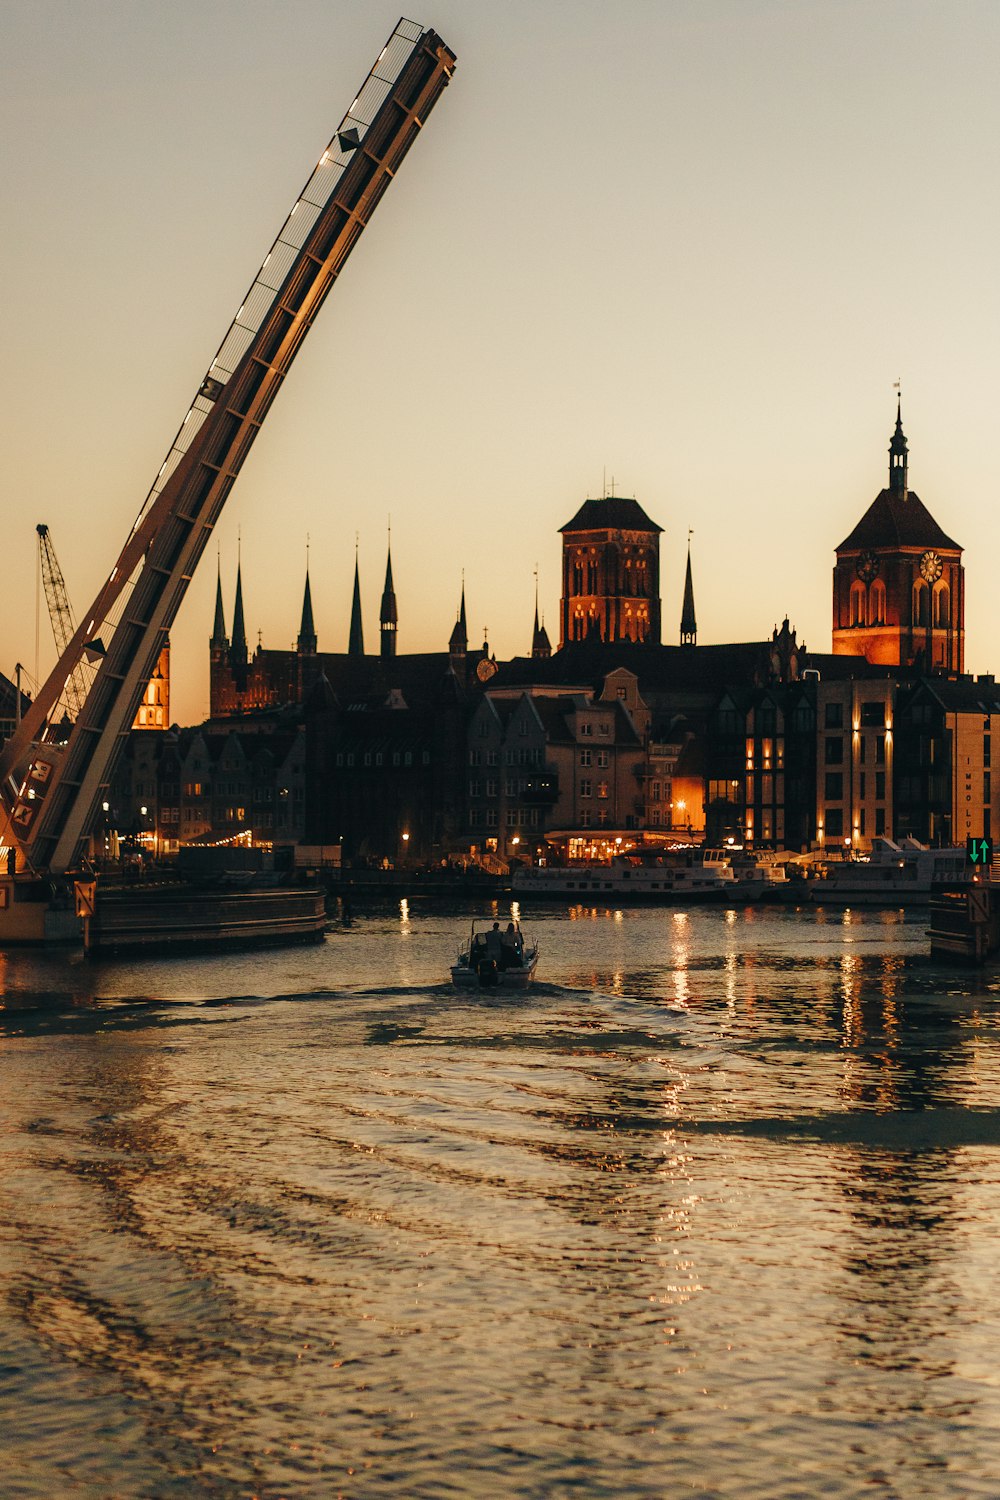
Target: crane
61	617
49	792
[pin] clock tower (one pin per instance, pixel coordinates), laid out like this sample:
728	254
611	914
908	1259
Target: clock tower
899	583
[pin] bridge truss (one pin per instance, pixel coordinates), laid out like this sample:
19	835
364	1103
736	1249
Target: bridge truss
50	792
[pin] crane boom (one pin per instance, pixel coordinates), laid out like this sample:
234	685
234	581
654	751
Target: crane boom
61	616
49	794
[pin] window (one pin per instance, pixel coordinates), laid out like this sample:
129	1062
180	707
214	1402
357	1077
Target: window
857	604
586	728
602	789
491	787
879	786
474	788
834	788
586	788
834	750
872	715
876	603
602	757
585	818
942	607
880	749
586	757
834	716
604	729
834	822
919	613
602	817
879	820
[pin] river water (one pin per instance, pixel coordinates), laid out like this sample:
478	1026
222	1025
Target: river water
712	1212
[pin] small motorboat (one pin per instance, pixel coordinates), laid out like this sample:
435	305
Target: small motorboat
495	957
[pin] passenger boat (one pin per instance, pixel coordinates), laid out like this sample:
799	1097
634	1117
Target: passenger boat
893	872
495	959
638	875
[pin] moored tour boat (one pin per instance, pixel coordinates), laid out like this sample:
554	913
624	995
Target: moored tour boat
637	875
894	872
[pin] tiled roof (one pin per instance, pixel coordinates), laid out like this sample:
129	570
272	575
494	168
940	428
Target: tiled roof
613	513
897	519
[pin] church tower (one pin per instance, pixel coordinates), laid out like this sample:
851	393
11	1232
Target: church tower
898	582
611	573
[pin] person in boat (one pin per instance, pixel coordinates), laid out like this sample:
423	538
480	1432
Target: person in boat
511	948
494	944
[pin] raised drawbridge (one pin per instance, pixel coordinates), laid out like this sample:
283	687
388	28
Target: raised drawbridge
50	791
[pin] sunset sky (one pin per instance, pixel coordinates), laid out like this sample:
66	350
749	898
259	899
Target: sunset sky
686	246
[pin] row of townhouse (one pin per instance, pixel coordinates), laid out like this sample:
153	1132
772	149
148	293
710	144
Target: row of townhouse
806	764
201	786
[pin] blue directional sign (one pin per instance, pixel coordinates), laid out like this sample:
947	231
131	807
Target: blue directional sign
979	851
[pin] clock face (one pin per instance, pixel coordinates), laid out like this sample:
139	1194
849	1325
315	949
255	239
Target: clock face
867	566
931	567
486	669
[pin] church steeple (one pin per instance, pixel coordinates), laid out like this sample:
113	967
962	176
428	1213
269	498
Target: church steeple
238	649
689	625
458	643
220	640
388	617
307	642
356	639
898	455
541	646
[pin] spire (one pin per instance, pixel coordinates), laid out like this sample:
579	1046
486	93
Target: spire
689	625
356	640
219	639
307	630
898	450
238	648
541	646
459	642
388	617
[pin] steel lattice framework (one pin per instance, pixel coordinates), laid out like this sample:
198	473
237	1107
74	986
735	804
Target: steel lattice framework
49	793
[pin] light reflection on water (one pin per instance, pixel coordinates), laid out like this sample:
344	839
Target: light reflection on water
711	1212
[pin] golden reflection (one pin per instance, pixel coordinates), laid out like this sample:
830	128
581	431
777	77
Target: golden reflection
515	910
619	916
404	916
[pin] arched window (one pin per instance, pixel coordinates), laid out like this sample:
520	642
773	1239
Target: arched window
942	605
919	613
578	578
876	603
857	604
